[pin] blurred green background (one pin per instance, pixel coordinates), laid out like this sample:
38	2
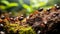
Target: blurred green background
17	7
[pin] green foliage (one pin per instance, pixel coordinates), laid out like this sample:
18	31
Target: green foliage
13	5
34	4
5	2
52	2
2	7
8	5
